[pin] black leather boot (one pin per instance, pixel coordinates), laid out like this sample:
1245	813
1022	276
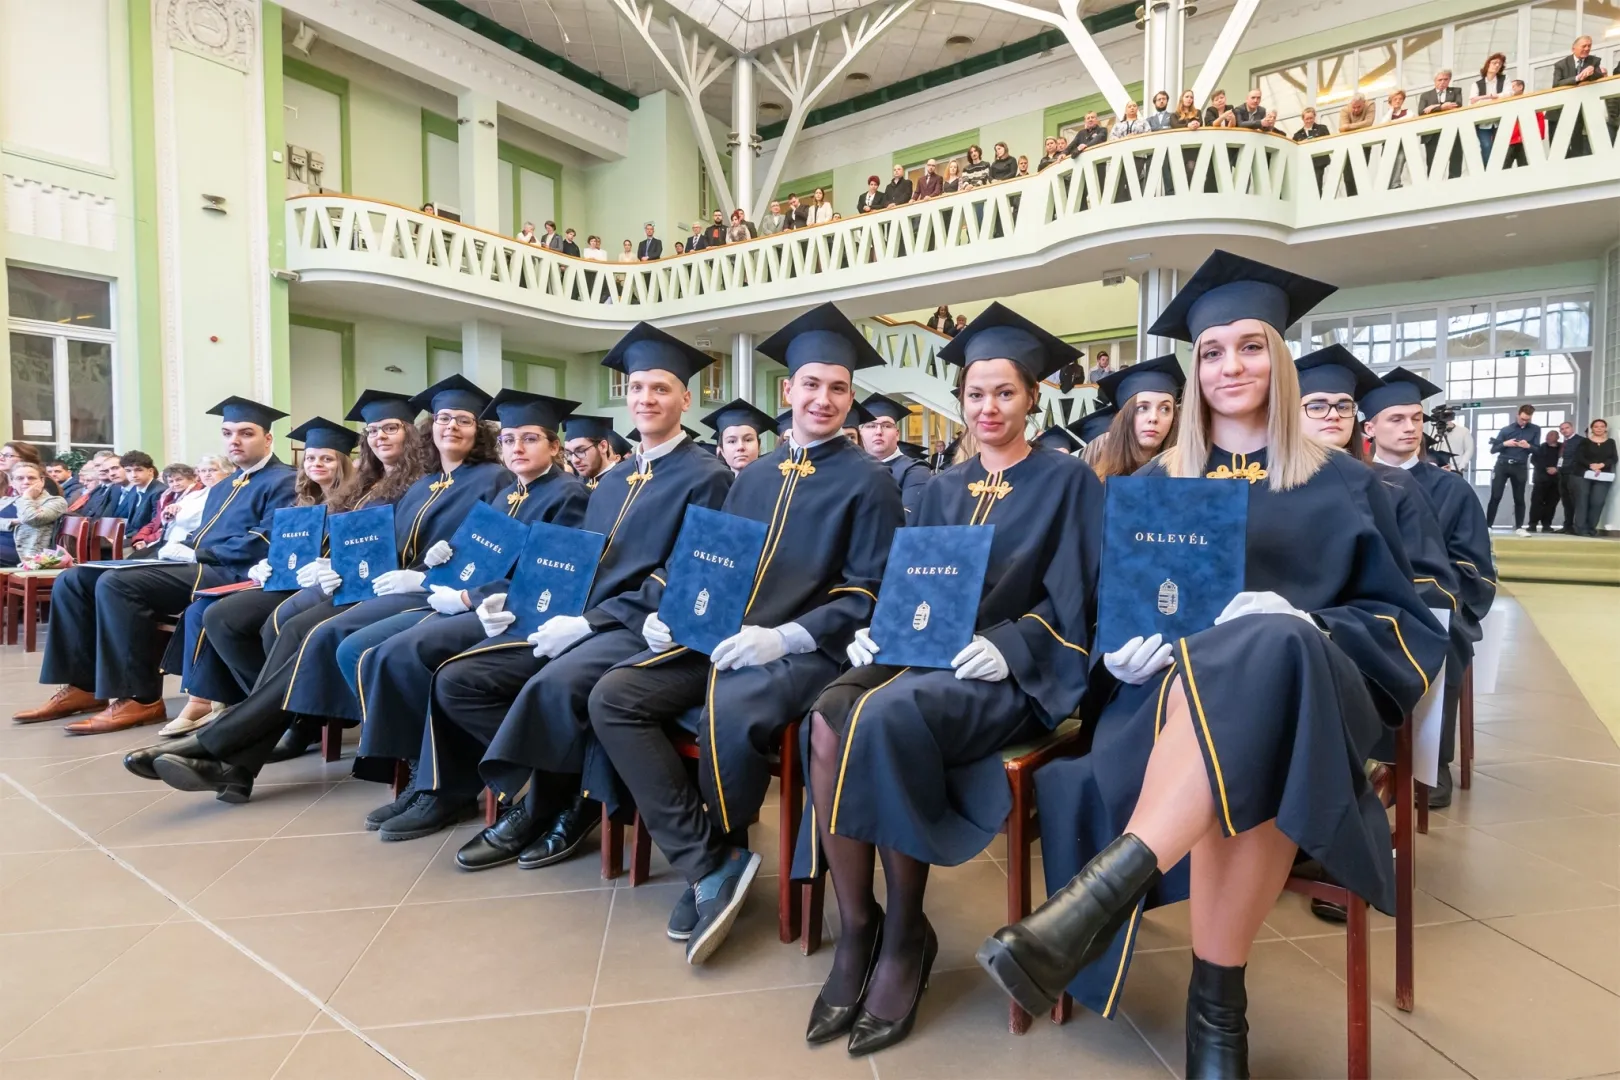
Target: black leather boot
1034	959
295	741
1217	1023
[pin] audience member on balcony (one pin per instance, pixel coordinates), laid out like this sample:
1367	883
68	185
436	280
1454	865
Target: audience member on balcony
953	178
551	238
1491	85
798	215
1579	66
1397	106
928	184
1159	119
1544	482
1049	152
1099	366
1129	124
695	242
570	246
28	516
1091	133
774	221
1023	166
1268	124
1356	115
872	198
627	253
900	189
1187	114
1597	458
1443	98
430	209
1515	154
1003	166
593	248
976	173
715	234
1310	127
526	234
650	247
961	325
820	211
1251	112
941	321
740	228
1218	110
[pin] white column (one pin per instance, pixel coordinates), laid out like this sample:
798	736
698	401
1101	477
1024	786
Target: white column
742	363
481	353
1164	32
1155	290
479	149
743	131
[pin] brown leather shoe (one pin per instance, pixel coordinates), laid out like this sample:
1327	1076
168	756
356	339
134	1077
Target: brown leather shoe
67	701
125	714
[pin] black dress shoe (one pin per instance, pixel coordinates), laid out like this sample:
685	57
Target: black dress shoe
429	812
294	742
231	783
563	836
140	761
501	842
869	1034
828	1022
1329	912
1217	1023
1440	794
1034	959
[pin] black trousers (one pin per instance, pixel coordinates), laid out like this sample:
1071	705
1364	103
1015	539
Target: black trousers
1507	472
1569	486
1543	502
1590	498
101	636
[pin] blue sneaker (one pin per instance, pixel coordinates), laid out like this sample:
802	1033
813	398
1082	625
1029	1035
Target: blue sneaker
684	918
720	897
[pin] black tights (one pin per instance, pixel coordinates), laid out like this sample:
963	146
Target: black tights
851	863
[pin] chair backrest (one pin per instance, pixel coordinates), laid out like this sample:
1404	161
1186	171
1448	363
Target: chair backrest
111	529
76	534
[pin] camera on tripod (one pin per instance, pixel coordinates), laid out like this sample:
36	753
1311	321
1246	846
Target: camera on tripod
1441	416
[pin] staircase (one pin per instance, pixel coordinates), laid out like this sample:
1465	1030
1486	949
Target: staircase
1572	560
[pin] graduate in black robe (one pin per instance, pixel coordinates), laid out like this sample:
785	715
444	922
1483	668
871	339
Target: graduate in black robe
831	512
904	763
1256	740
1059	438
1394	421
524	699
102	645
738	427
880	437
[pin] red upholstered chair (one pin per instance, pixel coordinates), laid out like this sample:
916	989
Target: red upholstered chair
26	594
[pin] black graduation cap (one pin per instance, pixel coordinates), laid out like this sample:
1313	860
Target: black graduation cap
738	413
319	433
239	410
456	392
881	405
784	423
647	348
1162	373
858	414
1399	387
1230	287
594	428
914	451
518	408
619	444
822	335
1095	424
1058	437
1335	370
375	406
1000	333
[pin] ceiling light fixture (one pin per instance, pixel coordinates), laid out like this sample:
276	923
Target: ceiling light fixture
958	41
858	76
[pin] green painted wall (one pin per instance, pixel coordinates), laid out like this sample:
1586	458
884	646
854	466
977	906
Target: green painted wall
385	137
275	205
658	182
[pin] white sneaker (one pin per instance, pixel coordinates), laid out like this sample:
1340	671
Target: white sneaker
185	725
1521	531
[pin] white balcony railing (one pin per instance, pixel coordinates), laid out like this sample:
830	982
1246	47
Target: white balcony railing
1165	182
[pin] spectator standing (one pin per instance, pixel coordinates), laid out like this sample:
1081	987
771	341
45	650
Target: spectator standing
430	209
976	173
526	234
961	325
1002	166
1187	114
28	516
715	234
551	239
941	321
650	247
1310	127
1219	113
1251	112
872	198
570	246
1129	124
1515	155
697	241
740	229
1598	457
1569	474
953	178
1579	66
1049	152
900	189
1512	446
1159	119
1091	133
820	211
1100	367
774	221
1023	166
627	253
1397	106
593	253
928	184
1356	114
1443	98
1490	86
798	215
1544	482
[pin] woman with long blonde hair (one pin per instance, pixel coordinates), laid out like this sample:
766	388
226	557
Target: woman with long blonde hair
1250	748
1145	422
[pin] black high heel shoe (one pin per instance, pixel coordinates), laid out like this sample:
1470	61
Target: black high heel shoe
828	1022
869	1034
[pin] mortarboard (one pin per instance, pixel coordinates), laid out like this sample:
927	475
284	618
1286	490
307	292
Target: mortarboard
619	444
881	405
1230	287
738	413
456	392
1335	370
1399	387
1162	374
858	414
1441	458
239	410
1096	423
822	335
1000	333
319	433
1058	437
784	422
647	348
518	408
375	406
635	434
594	428
914	451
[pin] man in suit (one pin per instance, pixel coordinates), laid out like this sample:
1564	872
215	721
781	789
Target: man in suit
1159	119
106	499
898	193
58	471
1569	472
929	184
872	198
142	491
773	222
1251	112
651	248
1443	98
697	241
1577	69
551	239
1544	482
798	215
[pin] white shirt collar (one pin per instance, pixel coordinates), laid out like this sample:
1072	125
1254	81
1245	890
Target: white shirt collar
892	456
249	470
1409	463
644	456
810	446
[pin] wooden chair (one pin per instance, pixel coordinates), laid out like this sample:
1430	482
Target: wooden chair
26	594
1465	730
111	530
799	907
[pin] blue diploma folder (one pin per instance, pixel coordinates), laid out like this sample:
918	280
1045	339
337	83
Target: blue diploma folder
1172	558
295	539
930	596
711	577
482	550
362	546
554	574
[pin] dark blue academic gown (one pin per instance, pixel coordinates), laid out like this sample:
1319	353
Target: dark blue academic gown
527	712
920	766
101	635
1286	712
913	477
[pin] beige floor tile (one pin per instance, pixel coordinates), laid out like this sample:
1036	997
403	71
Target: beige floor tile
1590	846
30	773
541	1047
316	950
1489	749
37	971
187	869
742	1036
444	880
80	890
1585	942
1484	877
13	868
26	827
190	816
640	963
96	814
1296	1015
342	809
964	903
1592	787
1497	1008
314	769
508	955
154	993
317	873
1292	917
327	1055
1560	702
1493	800
99	775
1551	738
240	1059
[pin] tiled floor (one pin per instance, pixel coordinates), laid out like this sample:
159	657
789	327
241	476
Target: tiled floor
146	933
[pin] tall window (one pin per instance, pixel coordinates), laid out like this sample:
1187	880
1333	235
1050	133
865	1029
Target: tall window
62	342
714	383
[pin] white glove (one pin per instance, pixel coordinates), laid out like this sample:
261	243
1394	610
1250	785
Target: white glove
557	633
862	649
259	572
1135	661
310	572
328	579
398	583
656	634
438	553
980	660
492	615
749	647
175	551
446	601
1259	603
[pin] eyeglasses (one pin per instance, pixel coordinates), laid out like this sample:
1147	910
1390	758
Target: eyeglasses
579	451
515	440
882	425
389	428
1318	410
460	420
